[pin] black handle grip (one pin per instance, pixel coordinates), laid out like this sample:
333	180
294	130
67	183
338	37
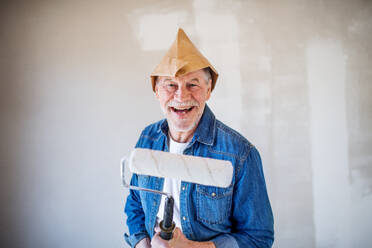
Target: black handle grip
167	225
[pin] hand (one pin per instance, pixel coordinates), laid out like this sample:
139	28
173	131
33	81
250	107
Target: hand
144	243
179	240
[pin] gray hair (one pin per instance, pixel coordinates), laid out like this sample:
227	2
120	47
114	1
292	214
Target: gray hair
207	73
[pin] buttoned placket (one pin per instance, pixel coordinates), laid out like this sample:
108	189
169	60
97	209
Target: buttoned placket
184	207
184	196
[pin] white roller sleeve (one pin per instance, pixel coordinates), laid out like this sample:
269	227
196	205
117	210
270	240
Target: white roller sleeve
206	171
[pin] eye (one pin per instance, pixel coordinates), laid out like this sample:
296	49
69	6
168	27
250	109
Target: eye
193	86
171	86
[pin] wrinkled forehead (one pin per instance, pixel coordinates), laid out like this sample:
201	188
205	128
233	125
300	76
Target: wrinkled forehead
199	75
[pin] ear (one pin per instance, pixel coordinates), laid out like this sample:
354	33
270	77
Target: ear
157	87
156	91
209	89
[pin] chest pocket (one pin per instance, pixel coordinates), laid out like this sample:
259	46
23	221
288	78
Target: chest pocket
213	204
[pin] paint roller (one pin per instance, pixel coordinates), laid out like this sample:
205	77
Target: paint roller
192	169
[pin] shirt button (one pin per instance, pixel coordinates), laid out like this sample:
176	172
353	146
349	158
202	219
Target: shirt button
213	194
184	218
183	188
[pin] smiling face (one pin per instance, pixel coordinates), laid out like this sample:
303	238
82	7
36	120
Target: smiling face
182	100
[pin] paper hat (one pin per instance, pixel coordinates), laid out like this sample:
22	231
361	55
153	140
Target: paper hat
182	57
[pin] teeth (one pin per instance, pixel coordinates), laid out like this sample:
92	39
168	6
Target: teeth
182	109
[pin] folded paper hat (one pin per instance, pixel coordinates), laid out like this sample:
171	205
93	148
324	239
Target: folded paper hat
182	57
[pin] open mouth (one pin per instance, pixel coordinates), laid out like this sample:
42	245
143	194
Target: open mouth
181	110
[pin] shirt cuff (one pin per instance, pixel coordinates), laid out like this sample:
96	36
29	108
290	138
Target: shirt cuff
225	241
133	240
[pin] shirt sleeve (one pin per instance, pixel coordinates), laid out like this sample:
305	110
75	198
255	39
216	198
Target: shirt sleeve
251	211
225	241
136	216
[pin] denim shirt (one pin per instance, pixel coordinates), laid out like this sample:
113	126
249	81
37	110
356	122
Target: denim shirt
237	216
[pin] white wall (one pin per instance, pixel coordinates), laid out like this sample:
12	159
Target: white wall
75	93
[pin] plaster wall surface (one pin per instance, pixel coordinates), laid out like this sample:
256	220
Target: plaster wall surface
295	79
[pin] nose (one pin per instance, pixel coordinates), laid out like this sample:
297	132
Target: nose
182	94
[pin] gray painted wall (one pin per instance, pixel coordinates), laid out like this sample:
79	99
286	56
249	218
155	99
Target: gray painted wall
75	94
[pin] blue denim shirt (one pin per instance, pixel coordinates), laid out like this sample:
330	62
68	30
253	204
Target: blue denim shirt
237	216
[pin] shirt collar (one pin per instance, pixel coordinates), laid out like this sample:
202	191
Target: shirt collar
204	133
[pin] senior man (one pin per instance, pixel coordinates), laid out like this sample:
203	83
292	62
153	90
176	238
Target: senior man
205	216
